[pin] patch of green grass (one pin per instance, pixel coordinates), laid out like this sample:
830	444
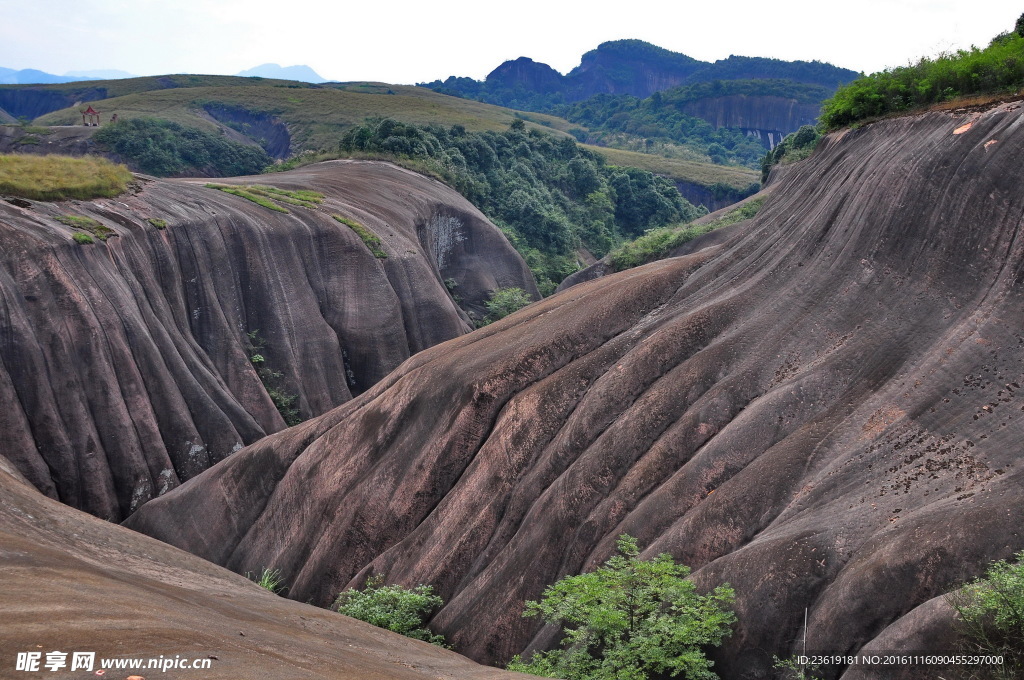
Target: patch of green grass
242	192
53	178
270	579
369	238
81	238
270	197
301	197
657	243
94	227
29	139
157	222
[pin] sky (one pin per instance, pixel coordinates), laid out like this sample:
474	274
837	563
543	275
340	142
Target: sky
404	42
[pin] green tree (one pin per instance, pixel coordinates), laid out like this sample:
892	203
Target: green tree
990	612
504	301
629	619
398	609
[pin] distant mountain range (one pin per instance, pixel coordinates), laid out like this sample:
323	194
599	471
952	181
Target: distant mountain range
34	76
626	67
28	76
301	73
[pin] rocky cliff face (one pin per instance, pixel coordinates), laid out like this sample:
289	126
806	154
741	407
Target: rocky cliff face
32	102
126	365
767	118
824	411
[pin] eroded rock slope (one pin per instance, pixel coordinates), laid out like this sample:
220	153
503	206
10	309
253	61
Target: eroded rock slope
78	584
824	411
125	365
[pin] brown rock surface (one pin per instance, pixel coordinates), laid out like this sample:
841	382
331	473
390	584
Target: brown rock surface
74	583
124	365
825	411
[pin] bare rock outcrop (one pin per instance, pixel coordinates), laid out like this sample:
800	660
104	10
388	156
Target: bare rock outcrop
825	411
126	365
75	583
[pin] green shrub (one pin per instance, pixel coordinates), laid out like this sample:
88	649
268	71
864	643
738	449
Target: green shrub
398	609
505	301
990	614
630	619
157	222
79	237
371	240
94	227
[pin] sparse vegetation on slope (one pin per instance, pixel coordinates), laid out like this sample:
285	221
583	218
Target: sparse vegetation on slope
995	69
371	240
52	178
164	148
94	227
271	197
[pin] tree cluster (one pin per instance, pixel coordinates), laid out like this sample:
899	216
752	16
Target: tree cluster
548	193
166	149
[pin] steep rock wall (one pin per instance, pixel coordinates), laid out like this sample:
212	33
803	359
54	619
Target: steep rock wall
767	118
125	365
825	411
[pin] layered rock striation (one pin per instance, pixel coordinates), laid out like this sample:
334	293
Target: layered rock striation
78	584
131	364
825	411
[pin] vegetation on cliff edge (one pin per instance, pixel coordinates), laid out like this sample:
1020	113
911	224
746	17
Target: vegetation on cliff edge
997	68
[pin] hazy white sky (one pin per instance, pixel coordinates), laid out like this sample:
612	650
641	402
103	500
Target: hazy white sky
406	42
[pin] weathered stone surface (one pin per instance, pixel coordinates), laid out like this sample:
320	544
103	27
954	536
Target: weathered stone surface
76	583
125	364
825	411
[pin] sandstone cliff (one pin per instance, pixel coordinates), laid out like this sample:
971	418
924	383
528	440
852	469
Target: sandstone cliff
824	411
125	365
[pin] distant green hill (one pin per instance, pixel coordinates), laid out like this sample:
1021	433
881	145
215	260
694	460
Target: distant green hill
288	117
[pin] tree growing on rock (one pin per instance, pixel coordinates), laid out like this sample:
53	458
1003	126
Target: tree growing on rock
629	619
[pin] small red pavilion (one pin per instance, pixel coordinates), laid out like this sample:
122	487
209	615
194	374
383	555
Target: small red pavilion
90	116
